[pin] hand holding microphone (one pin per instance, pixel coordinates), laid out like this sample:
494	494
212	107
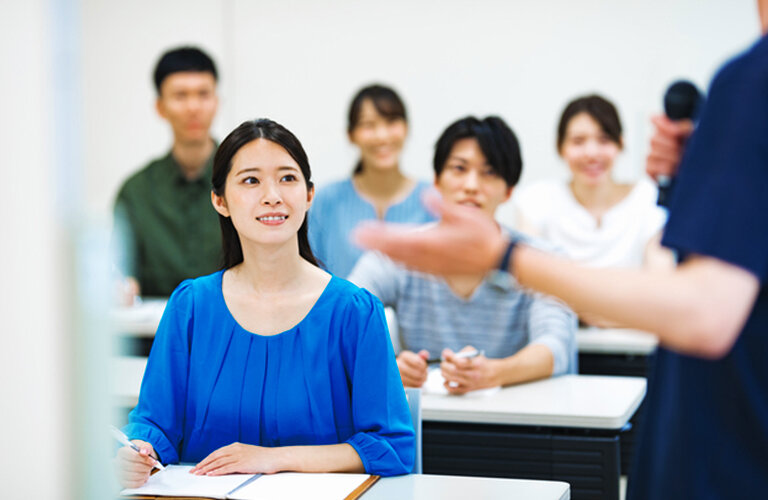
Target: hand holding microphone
682	105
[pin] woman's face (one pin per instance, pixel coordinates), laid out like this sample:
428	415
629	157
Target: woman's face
265	194
588	151
380	139
468	179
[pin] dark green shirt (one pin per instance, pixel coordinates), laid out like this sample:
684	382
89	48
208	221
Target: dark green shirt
168	226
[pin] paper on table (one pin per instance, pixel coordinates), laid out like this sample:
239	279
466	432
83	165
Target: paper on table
289	485
176	480
435	380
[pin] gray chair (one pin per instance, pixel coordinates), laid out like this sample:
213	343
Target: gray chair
414	403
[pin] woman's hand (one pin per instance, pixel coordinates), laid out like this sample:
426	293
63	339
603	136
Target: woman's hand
239	458
468	374
133	468
413	367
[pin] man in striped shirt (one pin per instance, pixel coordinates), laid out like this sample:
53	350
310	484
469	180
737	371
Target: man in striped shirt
523	336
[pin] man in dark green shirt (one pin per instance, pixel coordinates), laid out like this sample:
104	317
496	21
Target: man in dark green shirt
163	213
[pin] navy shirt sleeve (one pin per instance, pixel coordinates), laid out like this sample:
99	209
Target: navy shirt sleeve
720	204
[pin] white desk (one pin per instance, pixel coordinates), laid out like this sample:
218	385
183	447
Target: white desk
127	372
428	487
566	428
583	401
140	320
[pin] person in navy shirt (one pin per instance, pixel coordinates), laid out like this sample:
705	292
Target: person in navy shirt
706	431
270	364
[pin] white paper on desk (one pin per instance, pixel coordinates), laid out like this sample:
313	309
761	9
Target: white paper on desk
176	480
290	485
435	381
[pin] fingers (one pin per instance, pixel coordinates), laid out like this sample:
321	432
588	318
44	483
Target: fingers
220	465
413	368
679	129
209	462
133	468
465	374
433	202
667	145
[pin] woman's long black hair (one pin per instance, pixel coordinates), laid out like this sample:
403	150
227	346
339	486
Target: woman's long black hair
249	131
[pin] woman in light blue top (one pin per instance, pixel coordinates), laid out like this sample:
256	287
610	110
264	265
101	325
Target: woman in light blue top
377	190
271	364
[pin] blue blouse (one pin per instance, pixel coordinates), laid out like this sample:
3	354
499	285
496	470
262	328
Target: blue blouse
330	379
338	208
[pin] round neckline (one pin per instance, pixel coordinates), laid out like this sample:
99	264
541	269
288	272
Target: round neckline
608	213
320	299
403	199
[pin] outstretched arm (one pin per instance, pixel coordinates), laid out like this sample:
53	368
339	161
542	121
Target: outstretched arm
698	309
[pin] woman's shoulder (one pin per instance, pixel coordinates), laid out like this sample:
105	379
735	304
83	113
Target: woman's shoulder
351	297
189	289
645	191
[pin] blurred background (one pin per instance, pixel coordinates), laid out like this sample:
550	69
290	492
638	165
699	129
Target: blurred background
77	117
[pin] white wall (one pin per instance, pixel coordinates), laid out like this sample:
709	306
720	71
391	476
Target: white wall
34	384
300	61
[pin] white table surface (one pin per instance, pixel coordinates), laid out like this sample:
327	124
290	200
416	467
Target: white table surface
584	401
127	372
428	487
615	341
140	320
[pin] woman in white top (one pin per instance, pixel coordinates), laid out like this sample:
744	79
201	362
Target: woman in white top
593	218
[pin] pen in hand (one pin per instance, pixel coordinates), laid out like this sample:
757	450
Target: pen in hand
123	439
459	355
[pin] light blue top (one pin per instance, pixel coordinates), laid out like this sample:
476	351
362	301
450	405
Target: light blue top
338	208
330	379
499	317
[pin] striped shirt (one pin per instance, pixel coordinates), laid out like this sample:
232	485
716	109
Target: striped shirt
499	317
338	208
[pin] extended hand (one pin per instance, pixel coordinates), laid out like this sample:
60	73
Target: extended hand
133	468
239	458
465	241
467	374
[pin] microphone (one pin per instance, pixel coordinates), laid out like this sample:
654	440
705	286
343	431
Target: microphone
682	101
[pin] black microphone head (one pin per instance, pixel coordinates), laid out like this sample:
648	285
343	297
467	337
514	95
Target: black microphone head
683	101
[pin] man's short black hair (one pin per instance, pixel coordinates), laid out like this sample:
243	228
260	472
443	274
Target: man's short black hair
497	141
183	59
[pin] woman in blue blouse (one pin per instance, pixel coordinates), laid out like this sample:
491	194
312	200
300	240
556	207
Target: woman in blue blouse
378	190
271	364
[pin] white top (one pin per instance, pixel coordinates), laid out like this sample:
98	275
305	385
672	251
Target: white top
585	401
423	487
620	239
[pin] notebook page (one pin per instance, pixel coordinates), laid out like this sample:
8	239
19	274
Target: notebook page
176	480
296	485
435	380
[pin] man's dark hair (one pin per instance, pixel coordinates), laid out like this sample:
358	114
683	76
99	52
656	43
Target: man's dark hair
180	60
497	141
